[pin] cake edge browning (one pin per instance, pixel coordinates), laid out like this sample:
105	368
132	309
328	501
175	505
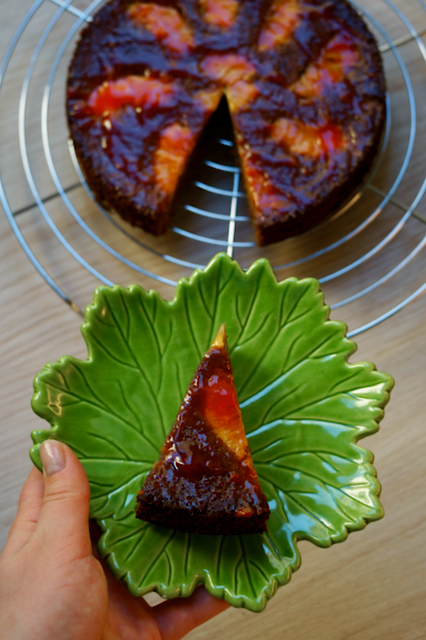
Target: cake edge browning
154	508
116	202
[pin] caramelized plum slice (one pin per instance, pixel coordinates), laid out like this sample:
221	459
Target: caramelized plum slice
166	24
220	13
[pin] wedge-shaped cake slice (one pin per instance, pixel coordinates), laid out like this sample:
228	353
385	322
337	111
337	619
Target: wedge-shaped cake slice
204	480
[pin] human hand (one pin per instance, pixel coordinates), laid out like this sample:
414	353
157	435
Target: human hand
52	587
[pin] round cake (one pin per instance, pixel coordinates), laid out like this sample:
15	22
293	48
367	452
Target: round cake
303	82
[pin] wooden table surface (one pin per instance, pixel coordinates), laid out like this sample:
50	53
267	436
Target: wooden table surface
371	587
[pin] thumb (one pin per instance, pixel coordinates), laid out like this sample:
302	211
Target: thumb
64	516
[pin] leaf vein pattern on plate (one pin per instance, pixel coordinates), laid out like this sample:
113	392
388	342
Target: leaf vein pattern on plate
291	347
126	404
155	560
278	401
260	570
126	311
268	426
310	513
169	566
215	321
244	322
96	483
278	492
89	387
120	488
113	443
304	473
284	293
247	567
63	378
274	547
135	548
288	317
355	499
339	507
297	451
299	317
104	323
281	378
110	355
343	381
203	300
153	332
317	401
245	340
263	448
142	372
215	296
79	453
104	409
132	533
220	556
323	460
198	349
182	390
187	552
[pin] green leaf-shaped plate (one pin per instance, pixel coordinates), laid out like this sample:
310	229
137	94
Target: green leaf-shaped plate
304	408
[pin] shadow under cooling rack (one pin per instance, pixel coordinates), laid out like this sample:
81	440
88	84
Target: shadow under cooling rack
368	257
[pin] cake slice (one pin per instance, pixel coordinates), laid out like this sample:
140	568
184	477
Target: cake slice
204	480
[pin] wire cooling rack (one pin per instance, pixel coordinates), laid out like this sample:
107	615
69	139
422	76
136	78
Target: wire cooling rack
368	256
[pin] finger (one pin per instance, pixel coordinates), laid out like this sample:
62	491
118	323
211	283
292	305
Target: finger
29	508
64	516
176	618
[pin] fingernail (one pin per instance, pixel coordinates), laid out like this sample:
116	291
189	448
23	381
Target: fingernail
53	457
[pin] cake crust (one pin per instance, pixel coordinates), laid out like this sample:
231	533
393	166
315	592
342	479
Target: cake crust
303	81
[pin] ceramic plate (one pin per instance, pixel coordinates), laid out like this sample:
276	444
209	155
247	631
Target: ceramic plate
304	408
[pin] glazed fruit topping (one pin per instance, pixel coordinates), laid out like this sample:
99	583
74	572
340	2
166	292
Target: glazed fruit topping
338	57
166	24
227	68
241	95
176	143
210	408
265	194
135	91
220	13
307	140
280	24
